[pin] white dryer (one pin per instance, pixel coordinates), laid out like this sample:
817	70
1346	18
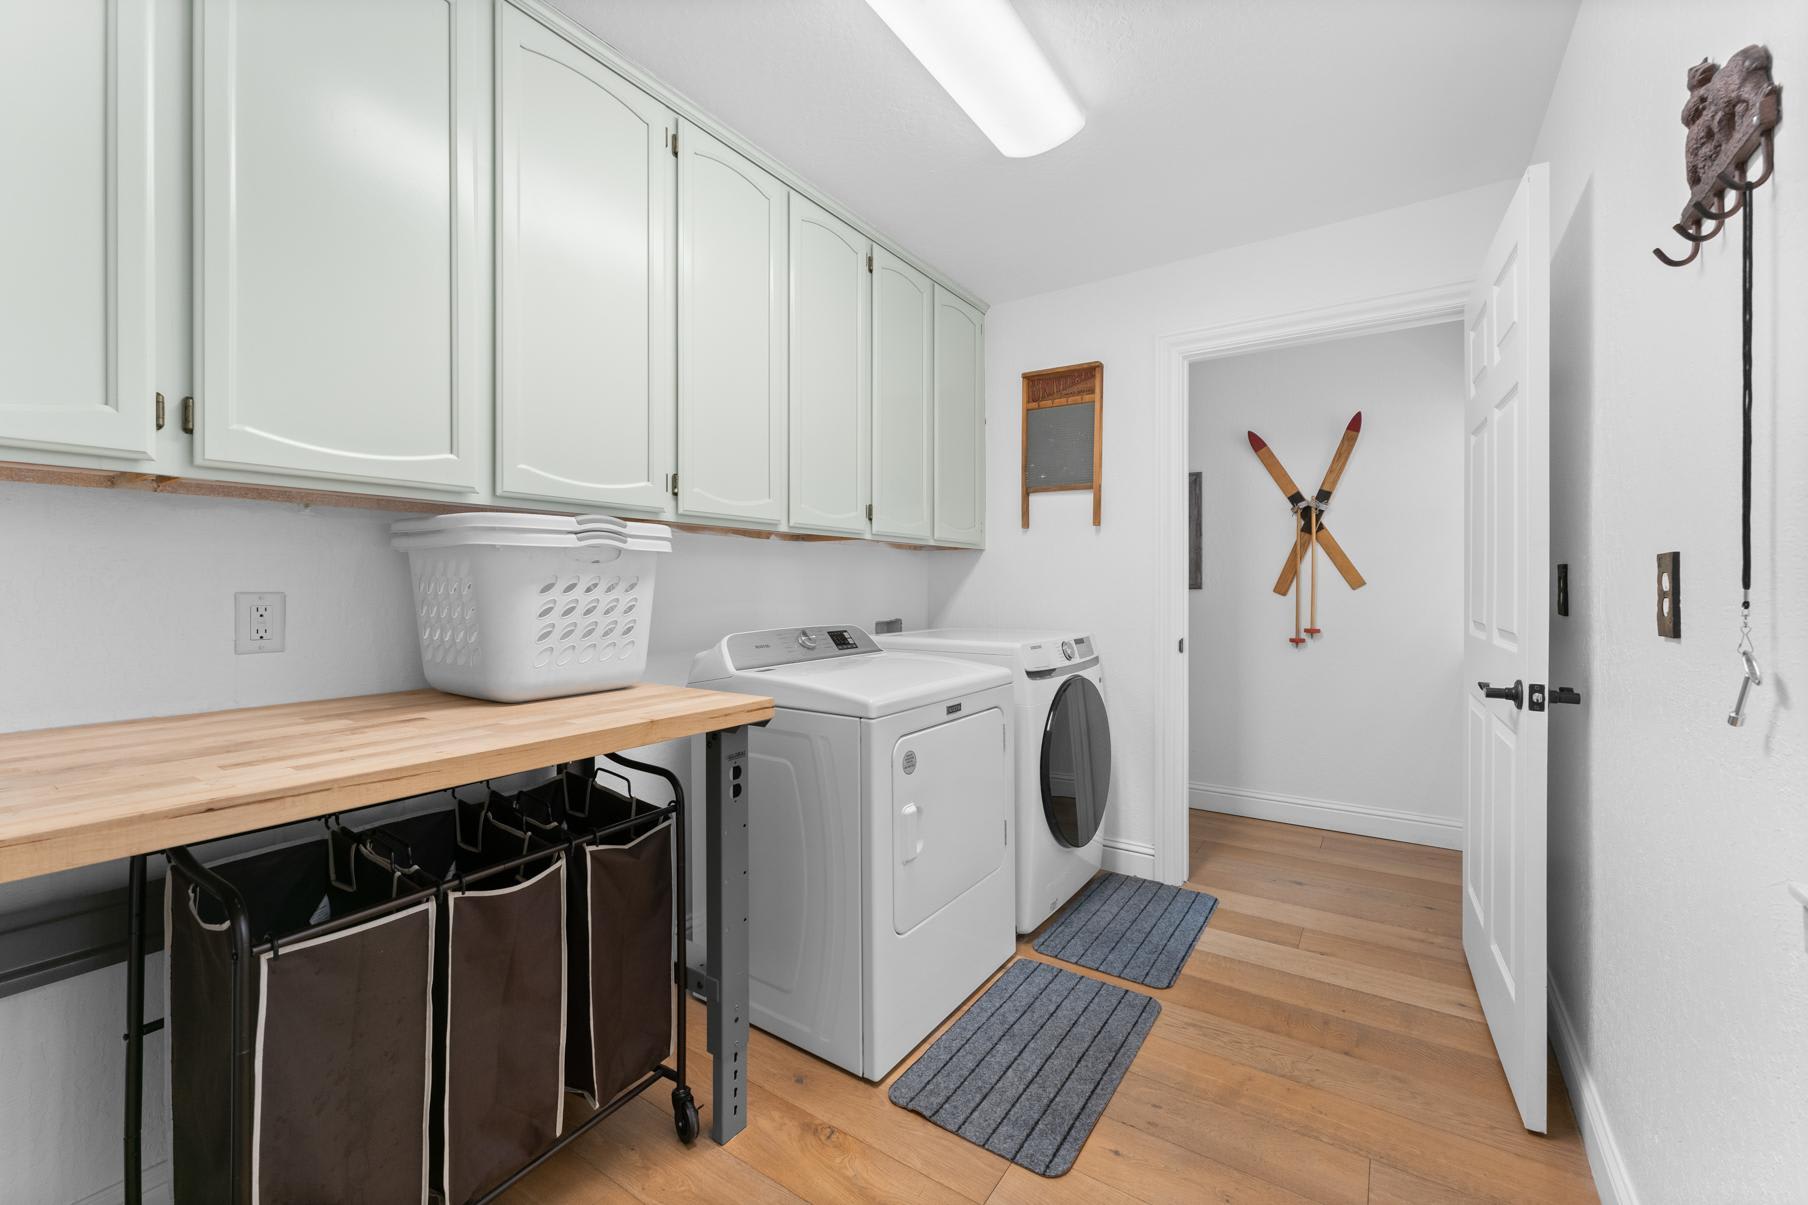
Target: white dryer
1063	752
879	876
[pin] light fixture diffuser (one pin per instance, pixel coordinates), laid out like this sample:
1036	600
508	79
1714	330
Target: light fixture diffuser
981	53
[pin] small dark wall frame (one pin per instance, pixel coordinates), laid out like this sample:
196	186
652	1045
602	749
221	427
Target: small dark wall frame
1195	557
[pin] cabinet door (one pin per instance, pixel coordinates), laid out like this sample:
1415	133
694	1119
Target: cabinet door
76	258
831	398
732	398
903	398
335	239
585	250
960	422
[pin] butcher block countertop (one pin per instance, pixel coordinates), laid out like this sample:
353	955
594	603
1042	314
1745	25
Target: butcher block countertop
76	796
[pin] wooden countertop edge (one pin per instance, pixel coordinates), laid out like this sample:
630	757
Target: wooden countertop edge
65	842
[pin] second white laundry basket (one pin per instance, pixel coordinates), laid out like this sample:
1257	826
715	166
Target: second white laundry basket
517	607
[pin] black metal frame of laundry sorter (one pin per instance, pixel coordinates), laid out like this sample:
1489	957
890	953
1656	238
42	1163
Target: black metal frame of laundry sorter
722	982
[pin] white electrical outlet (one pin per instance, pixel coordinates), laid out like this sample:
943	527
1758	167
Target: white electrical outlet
258	622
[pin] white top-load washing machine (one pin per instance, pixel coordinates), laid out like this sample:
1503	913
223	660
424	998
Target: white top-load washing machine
1063	752
880	877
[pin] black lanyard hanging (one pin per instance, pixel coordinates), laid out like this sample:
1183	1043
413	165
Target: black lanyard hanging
1753	675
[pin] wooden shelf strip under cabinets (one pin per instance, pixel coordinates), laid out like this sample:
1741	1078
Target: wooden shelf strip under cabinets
77	796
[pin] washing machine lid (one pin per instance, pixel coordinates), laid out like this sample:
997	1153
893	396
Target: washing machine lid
838	670
1031	649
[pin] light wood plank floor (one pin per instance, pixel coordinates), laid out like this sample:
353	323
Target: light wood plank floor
1324	1043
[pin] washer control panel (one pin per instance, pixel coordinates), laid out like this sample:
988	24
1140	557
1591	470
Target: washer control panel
1057	654
790	646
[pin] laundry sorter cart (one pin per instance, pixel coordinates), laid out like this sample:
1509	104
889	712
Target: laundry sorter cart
413	989
134	790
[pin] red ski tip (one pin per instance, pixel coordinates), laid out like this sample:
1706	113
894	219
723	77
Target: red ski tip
1256	441
1355	423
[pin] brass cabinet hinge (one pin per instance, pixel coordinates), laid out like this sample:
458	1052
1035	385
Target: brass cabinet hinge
674	142
672	483
869	512
869	261
188	416
160	412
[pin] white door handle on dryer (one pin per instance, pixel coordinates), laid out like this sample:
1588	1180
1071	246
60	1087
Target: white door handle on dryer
910	833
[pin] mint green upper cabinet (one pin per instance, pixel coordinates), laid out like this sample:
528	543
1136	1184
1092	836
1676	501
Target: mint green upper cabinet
585	249
732	396
831	399
336	260
903	399
76	256
960	422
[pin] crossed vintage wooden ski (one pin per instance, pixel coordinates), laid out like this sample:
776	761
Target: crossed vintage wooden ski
1312	533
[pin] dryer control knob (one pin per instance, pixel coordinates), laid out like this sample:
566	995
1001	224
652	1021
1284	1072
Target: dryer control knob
805	640
1067	649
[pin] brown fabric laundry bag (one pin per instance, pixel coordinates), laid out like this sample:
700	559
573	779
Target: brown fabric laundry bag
341	1047
619	904
498	1092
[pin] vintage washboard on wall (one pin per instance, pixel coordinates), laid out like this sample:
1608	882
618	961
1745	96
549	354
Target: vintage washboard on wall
1063	429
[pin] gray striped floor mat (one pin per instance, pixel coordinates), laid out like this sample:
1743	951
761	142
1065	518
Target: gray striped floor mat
1133	928
1026	1071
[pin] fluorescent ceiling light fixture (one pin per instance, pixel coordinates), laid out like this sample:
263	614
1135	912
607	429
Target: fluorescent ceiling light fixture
980	52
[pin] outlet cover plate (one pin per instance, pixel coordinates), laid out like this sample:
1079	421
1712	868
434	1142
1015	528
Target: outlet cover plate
1669	595
259	622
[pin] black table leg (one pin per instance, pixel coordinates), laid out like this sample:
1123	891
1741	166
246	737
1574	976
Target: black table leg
134	1102
725	968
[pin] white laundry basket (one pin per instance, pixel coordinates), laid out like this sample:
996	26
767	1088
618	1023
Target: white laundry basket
512	611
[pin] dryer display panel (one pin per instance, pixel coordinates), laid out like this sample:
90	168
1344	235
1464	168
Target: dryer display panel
1076	762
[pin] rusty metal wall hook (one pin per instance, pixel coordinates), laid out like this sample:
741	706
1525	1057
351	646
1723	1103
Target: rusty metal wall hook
1697	235
1722	215
1695	242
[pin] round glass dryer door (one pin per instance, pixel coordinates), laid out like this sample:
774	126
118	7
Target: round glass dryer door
1076	762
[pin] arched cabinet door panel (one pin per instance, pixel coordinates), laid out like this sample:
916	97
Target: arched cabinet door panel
733	400
903	399
960	422
585	250
336	263
831	385
76	317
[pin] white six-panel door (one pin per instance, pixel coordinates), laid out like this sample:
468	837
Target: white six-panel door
960	422
585	252
831	383
903	399
1506	330
76	259
732	354
334	227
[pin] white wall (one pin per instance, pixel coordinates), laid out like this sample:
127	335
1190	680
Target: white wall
1358	731
117	604
1064	572
1677	955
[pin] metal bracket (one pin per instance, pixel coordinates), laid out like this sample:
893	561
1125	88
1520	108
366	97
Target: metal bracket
1535	697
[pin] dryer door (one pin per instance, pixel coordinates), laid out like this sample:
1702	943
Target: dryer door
950	786
1076	762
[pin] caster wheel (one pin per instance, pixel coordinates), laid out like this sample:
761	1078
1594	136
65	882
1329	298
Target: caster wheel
684	1116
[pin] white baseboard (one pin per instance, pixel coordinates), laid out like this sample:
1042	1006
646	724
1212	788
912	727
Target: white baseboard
1129	857
156	1188
1419	828
1612	1181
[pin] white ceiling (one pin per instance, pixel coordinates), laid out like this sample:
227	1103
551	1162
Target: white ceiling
1210	123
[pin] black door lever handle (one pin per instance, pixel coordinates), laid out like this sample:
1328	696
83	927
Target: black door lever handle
1514	693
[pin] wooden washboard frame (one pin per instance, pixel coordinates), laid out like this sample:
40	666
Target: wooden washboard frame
1069	385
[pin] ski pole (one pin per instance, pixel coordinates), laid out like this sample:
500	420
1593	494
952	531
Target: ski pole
1312	539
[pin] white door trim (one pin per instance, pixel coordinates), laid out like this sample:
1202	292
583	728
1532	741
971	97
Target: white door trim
1173	354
